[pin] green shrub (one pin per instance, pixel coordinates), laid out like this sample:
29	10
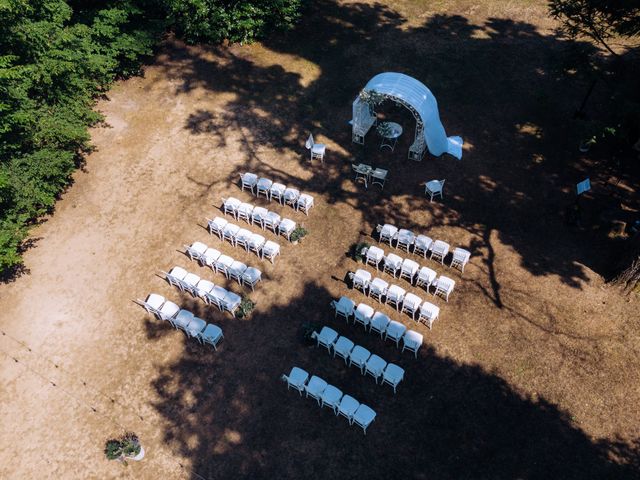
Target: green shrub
356	249
245	308
298	233
120	448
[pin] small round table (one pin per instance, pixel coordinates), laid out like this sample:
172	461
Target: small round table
389	131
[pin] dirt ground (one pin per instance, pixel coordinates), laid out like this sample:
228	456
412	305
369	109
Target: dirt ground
532	369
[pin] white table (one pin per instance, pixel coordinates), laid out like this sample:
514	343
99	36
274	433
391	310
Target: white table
392	131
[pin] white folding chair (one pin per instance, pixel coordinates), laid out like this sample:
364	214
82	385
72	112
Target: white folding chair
428	313
411	304
251	277
264	186
347	407
271	221
342	348
286	228
460	258
379	323
229	232
231	302
304	203
209	257
183	319
315	387
358	357
168	311
315	149
409	269
343	307
190	282
217	225
433	188
331	397
212	335
375	366
327	337
395	296
297	379
258	215
412	341
363	417
230	206
223	263
426	277
248	180
387	233
290	196
256	242
236	270
196	251
270	250
217	296
176	276
422	245
374	256
378	288
360	279
363	314
242	238
405	238
392	375
204	287
244	212
195	328
152	304
444	287
439	249
392	263
394	331
277	191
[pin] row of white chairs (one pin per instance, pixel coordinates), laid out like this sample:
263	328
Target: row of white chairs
283	194
210	293
241	237
396	295
194	327
398	266
258	215
220	263
352	354
330	396
380	323
422	245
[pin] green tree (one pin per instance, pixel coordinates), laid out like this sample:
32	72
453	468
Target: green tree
600	20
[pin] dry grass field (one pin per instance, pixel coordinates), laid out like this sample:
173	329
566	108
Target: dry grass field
531	372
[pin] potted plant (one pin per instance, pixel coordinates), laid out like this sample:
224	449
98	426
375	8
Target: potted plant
298	234
384	129
246	307
357	249
586	144
306	332
127	447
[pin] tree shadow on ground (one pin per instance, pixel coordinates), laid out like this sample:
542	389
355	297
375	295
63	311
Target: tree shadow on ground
229	413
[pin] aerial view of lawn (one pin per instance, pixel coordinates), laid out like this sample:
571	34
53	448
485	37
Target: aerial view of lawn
357	245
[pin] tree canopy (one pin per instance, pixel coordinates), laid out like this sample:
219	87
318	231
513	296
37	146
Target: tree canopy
56	56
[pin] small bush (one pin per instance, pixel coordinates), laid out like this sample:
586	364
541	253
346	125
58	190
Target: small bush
306	330
355	251
245	308
298	233
120	448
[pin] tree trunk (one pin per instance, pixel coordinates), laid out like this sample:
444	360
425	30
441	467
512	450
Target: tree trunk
629	277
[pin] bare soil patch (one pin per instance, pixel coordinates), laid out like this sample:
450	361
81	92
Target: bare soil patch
531	371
